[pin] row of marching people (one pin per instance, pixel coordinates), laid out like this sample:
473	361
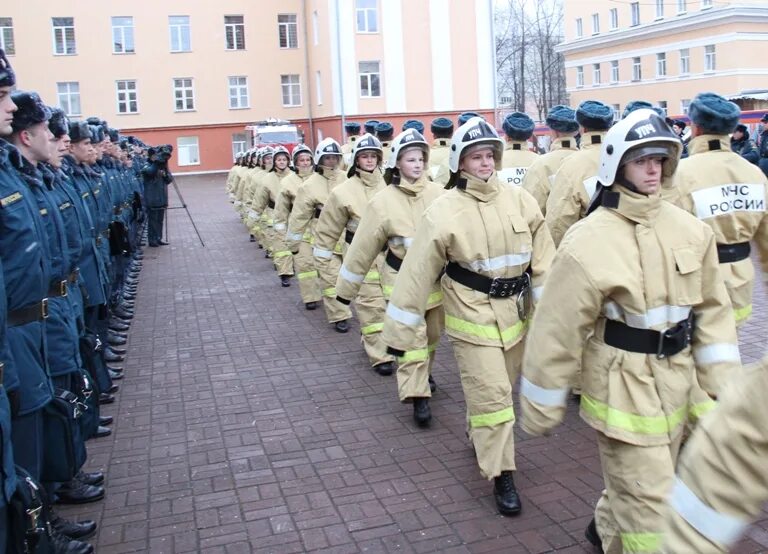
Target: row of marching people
634	308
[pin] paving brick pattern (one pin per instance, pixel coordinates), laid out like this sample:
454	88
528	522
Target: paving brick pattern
246	424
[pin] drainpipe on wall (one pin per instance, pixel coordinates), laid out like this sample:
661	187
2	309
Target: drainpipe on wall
338	60
309	77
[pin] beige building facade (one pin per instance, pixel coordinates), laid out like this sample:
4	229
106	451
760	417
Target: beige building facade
663	51
195	74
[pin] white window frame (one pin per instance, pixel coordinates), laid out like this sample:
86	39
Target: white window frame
188	153
67	98
614	71
661	65
290	85
319	87
682	7
177	31
126	96
7	40
235	30
284	31
370	16
685	61
637	69
185	92
634	9
596	77
580	76
614	18
60	31
595	23
579	27
239	144
367	78
123	35
664	107
616	112
685	103
659	9
239	98
710	58
706	4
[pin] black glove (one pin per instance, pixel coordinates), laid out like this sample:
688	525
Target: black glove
14	399
343	300
395	352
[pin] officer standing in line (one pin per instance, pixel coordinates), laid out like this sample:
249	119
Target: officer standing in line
743	145
576	181
157	177
370	126
466	116
492	241
414	124
340	217
727	193
385	132
563	127
442	129
648	317
7	469
517	157
352	129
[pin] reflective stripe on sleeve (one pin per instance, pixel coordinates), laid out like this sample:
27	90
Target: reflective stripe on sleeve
634	423
372	276
660	315
720	528
349	276
700	409
295	236
540	395
320	253
280	227
493	418
403	316
400	241
434	297
499	262
715	353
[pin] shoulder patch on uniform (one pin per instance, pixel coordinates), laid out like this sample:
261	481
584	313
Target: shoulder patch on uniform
10	199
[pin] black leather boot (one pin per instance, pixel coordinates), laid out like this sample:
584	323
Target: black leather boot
77	492
507	499
285	280
72	529
311	306
341	326
384	369
590	533
432	384
422	415
61	544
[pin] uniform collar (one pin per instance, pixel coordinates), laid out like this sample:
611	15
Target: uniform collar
370	178
636	207
708	143
558	144
412	188
592	139
484	191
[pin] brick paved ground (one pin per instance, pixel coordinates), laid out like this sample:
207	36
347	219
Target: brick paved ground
246	424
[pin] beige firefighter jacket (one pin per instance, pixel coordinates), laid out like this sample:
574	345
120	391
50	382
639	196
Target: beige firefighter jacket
488	228
647	264
729	194
540	176
311	196
438	160
574	185
515	162
289	186
390	221
347	151
341	216
722	481
265	196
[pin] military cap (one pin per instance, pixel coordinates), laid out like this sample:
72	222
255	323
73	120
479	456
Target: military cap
592	114
680	123
7	76
79	131
518	126
93	120
384	130
414	124
562	119
370	126
441	125
714	114
30	110
58	123
466	116
764	119
352	127
637	105
741	127
114	135
97	133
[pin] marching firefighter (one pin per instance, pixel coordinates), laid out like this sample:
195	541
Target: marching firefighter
517	157
492	242
264	202
635	298
389	222
340	217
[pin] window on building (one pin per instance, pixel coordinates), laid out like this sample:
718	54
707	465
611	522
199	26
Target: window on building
659	9
614	17
685	61
579	28
705	4
238	93
685	103
580	76
315	28
68	95
595	23
370	79
64	36
616	112
181	40
319	88
6	36
661	64
239	144
184	95
709	58
188	150
367	16
127	97
288	30
615	71
637	70
663	106
234	32
635	13
291	90
682	6
122	35
596	74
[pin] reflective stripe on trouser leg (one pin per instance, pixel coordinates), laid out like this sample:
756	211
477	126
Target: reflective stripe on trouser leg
304	264
281	255
369	307
487	375
334	310
632	510
413	369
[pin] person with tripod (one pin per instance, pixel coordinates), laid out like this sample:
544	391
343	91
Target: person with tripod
157	177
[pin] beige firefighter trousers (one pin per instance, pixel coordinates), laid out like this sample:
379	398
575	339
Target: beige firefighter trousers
487	376
632	510
304	264
281	255
334	310
415	367
370	307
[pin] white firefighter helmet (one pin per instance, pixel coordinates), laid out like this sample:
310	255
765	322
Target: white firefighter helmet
366	143
642	133
407	139
474	132
280	149
327	147
298	149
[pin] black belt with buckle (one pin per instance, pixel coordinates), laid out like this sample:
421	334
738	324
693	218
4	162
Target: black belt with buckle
271	204
393	261
58	288
348	236
647	341
34	312
495	287
729	253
